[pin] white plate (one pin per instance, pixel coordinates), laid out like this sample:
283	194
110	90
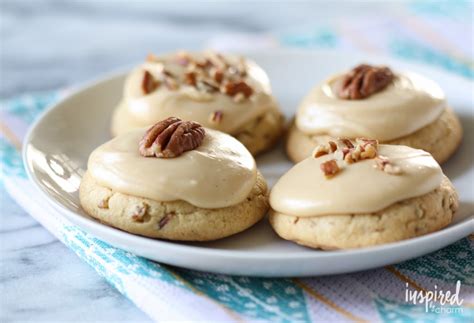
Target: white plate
57	147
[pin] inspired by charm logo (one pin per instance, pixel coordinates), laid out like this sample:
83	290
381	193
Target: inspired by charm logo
436	301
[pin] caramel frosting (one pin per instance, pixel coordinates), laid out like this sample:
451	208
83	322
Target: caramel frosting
359	187
409	103
218	173
139	109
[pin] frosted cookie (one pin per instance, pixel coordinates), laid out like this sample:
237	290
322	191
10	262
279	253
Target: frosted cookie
176	181
227	93
358	194
374	102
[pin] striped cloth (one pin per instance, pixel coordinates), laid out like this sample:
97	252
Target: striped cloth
430	33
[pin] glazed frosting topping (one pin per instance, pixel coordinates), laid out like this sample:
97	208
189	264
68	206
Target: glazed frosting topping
360	187
406	105
218	173
217	91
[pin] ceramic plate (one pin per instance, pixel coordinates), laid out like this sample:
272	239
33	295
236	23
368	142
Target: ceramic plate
59	143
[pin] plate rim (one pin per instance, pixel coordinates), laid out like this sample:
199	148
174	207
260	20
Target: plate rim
461	229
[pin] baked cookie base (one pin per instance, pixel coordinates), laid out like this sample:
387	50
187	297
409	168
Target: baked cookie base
403	220
440	138
176	220
262	133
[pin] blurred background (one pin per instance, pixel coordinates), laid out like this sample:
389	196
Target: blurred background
52	44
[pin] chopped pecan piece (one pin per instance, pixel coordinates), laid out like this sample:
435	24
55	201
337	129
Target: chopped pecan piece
217	59
346	142
384	164
205	65
364	142
164	220
363	149
325	149
138	212
149	84
365	80
351	155
207	86
320	152
232	88
171	84
332	146
330	168
170	138
368	151
392	169
345	151
217	75
216	116
190	78
103	204
152	58
239	97
381	161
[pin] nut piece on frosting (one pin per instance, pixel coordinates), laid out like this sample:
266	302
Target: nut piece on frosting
149	84
346	151
213	74
330	168
325	149
384	164
170	138
365	80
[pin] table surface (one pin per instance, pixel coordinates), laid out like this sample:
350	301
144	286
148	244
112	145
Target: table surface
48	45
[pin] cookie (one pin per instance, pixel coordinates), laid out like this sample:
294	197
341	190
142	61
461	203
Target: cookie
441	138
175	220
223	92
403	220
352	194
393	107
175	180
262	133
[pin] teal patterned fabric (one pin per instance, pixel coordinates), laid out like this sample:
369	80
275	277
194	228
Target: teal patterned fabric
256	298
279	300
448	265
422	41
10	159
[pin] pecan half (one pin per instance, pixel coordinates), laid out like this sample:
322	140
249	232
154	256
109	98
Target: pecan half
365	80
171	137
330	168
149	84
